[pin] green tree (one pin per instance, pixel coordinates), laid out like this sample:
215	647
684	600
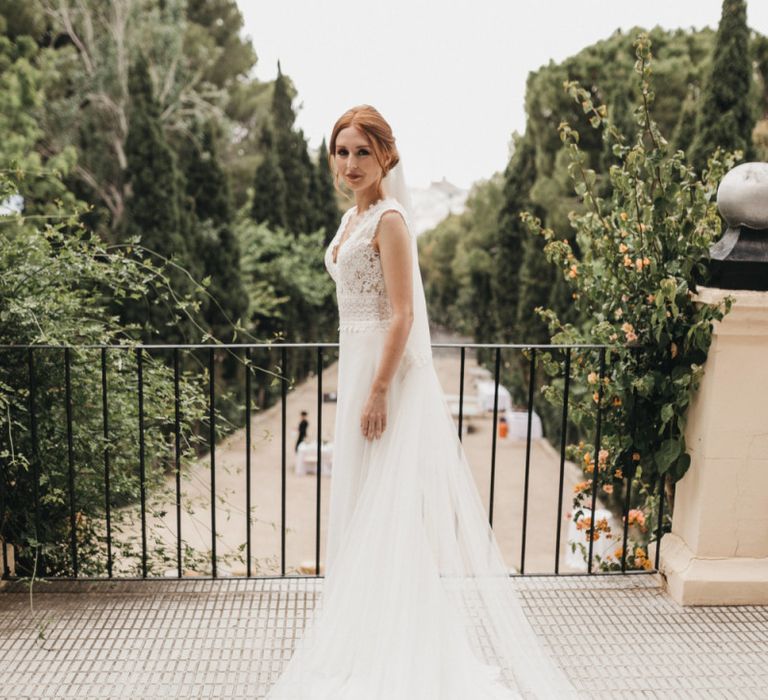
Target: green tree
269	189
640	253
214	34
457	263
216	248
437	250
685	129
291	152
328	215
56	280
152	211
760	134
725	117
509	292
20	18
198	66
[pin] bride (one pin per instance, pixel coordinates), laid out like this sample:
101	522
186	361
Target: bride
417	603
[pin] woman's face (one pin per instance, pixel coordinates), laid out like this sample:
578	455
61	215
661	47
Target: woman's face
355	161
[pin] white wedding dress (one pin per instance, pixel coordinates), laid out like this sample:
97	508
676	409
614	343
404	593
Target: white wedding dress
416	602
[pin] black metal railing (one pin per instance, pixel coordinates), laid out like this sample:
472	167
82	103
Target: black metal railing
321	350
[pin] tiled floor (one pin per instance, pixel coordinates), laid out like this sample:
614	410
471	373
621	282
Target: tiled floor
616	636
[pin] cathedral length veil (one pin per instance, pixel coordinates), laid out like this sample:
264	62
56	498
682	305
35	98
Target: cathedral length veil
417	603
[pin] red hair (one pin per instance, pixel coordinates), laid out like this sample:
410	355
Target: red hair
368	120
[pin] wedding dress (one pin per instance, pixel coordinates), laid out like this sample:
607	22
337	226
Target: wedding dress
416	602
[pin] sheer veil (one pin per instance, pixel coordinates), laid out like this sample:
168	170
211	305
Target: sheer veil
473	570
419	345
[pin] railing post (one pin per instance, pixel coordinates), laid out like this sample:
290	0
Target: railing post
596	471
142	475
531	383
212	445
319	455
105	425
35	454
248	390
563	440
495	423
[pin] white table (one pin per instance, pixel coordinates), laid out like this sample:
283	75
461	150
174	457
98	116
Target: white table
306	458
485	393
518	425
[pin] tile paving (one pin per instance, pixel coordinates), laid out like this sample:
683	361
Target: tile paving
616	636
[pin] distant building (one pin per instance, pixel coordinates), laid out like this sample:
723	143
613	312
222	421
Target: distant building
432	204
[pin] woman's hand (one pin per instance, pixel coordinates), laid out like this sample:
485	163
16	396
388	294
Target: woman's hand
374	418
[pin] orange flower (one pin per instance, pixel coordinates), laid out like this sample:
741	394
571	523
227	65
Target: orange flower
584	523
608	488
629	331
623	248
582	486
623	216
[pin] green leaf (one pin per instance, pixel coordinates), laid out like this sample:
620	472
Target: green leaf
667	453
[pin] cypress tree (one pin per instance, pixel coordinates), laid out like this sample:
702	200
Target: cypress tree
519	177
291	153
152	208
269	191
725	116
217	248
685	129
282	103
328	215
291	148
207	185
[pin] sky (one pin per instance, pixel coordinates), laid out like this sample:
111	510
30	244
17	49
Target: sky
449	76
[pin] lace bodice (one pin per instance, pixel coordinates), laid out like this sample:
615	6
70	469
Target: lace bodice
362	296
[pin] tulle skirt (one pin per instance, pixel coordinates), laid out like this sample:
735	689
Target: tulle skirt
416	602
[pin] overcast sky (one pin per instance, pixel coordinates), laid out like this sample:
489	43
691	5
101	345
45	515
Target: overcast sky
448	76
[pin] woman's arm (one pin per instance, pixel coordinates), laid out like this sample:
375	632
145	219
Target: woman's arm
394	245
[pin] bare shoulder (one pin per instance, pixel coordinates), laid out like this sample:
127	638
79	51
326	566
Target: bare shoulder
392	228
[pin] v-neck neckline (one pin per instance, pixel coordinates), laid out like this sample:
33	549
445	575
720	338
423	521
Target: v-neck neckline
349	229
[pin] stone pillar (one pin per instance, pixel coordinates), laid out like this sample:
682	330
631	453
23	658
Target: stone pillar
717	552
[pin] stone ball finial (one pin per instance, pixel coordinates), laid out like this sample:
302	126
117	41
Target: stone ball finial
742	197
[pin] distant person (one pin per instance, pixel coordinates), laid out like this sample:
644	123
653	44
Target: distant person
303	425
